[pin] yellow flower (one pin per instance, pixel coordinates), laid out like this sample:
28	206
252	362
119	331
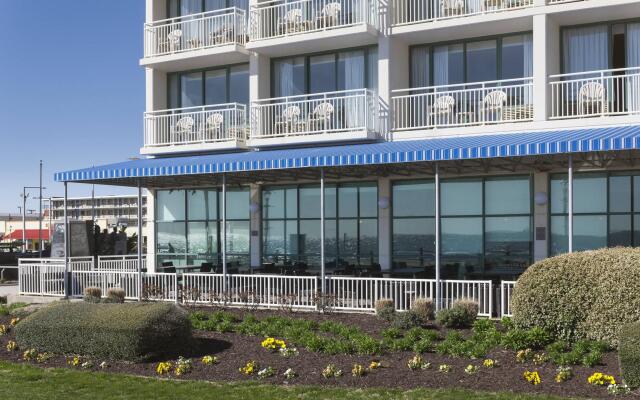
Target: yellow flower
489	363
532	377
29	355
358	370
209	360
15	321
12	346
3	329
600	379
249	368
164	368
75	361
375	365
273	344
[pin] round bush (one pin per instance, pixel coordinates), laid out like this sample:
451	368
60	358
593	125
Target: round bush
583	295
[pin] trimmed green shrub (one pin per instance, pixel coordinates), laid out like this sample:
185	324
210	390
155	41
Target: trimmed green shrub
424	309
92	294
115	295
131	331
583	295
462	314
407	320
629	354
385	309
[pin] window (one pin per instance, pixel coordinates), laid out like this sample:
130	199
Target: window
291	227
506	57
178	8
328	72
606	211
188	223
209	87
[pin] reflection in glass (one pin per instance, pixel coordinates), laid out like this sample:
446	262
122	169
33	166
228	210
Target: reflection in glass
507	196
589	232
238	203
461	197
239	84
507	245
590	193
197	238
216	86
322	73
412	199
191	89
461	248
196	205
559	194
170	205
559	235
482	61
348	201
171	238
620	194
620	230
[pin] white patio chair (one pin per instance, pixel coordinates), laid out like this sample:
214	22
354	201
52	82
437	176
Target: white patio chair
452	8
330	15
488	5
213	127
293	21
442	109
289	120
494	102
321	117
183	130
592	99
221	35
173	39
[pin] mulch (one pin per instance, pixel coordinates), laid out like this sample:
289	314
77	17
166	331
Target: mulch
234	350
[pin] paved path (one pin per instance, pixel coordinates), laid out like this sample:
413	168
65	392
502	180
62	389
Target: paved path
8	289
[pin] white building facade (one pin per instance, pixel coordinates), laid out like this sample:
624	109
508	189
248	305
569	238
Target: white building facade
457	139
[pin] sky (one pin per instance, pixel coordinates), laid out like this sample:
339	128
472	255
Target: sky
71	91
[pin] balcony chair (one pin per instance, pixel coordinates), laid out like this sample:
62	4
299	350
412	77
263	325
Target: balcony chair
451	8
489	5
320	119
293	21
592	99
213	127
221	35
494	102
330	16
442	108
183	130
173	40
290	121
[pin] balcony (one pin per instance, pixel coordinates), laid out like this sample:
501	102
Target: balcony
350	115
415	11
466	104
197	36
217	127
595	93
306	24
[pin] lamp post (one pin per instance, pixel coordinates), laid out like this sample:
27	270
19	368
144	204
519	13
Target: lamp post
24	196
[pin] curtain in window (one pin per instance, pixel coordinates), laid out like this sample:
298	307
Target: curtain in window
419	67
633	60
441	65
372	64
354	79
586	49
283	78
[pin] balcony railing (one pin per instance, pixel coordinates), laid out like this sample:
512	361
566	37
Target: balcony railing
333	112
478	103
206	124
273	19
412	11
196	31
595	93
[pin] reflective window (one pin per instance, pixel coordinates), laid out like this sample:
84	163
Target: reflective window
461	197
170	205
209	87
322	73
483	53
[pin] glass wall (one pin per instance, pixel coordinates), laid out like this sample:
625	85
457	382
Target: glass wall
209	87
606	211
486	228
178	8
188	224
291	228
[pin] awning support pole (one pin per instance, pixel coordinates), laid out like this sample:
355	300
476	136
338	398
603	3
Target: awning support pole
140	242
438	293
66	244
570	205
322	267
224	233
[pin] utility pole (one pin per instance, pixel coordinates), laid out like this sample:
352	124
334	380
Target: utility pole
25	195
40	215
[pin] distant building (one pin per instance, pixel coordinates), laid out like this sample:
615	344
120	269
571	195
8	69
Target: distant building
11	229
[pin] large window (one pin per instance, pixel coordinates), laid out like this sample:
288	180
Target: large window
188	224
485	228
507	57
178	8
328	72
291	227
606	211
209	87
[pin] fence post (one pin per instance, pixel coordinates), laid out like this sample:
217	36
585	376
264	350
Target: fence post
175	282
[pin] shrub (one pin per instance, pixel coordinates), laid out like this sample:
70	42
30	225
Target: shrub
462	314
92	294
629	354
407	320
582	295
115	295
424	309
385	309
130	331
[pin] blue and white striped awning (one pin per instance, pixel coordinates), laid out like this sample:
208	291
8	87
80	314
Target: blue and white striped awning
437	149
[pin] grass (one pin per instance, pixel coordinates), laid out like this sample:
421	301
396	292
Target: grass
33	383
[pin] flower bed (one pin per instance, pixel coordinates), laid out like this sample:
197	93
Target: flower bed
446	362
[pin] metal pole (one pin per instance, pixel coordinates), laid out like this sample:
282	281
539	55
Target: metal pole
570	205
40	215
224	233
24	220
66	245
322	268
437	255
140	242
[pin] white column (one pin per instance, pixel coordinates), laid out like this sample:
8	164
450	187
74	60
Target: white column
256	226
151	231
393	73
540	216
139	242
546	61
322	268
384	224
437	246
156	90
224	232
570	205
155	10
66	243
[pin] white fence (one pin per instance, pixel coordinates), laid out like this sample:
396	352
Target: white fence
506	291
332	112
205	124
41	276
154	286
595	93
463	104
120	263
80	263
412	11
194	32
274	18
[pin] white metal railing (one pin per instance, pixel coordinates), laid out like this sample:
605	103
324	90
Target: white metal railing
270	19
412	11
80	263
479	291
195	31
506	291
158	286
463	104
41	276
595	93
332	112
120	263
251	290
205	124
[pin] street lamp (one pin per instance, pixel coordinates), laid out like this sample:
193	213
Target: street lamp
24	196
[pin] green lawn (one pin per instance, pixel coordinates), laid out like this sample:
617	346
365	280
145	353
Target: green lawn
29	382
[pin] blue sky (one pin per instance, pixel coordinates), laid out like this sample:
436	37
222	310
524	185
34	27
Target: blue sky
71	90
